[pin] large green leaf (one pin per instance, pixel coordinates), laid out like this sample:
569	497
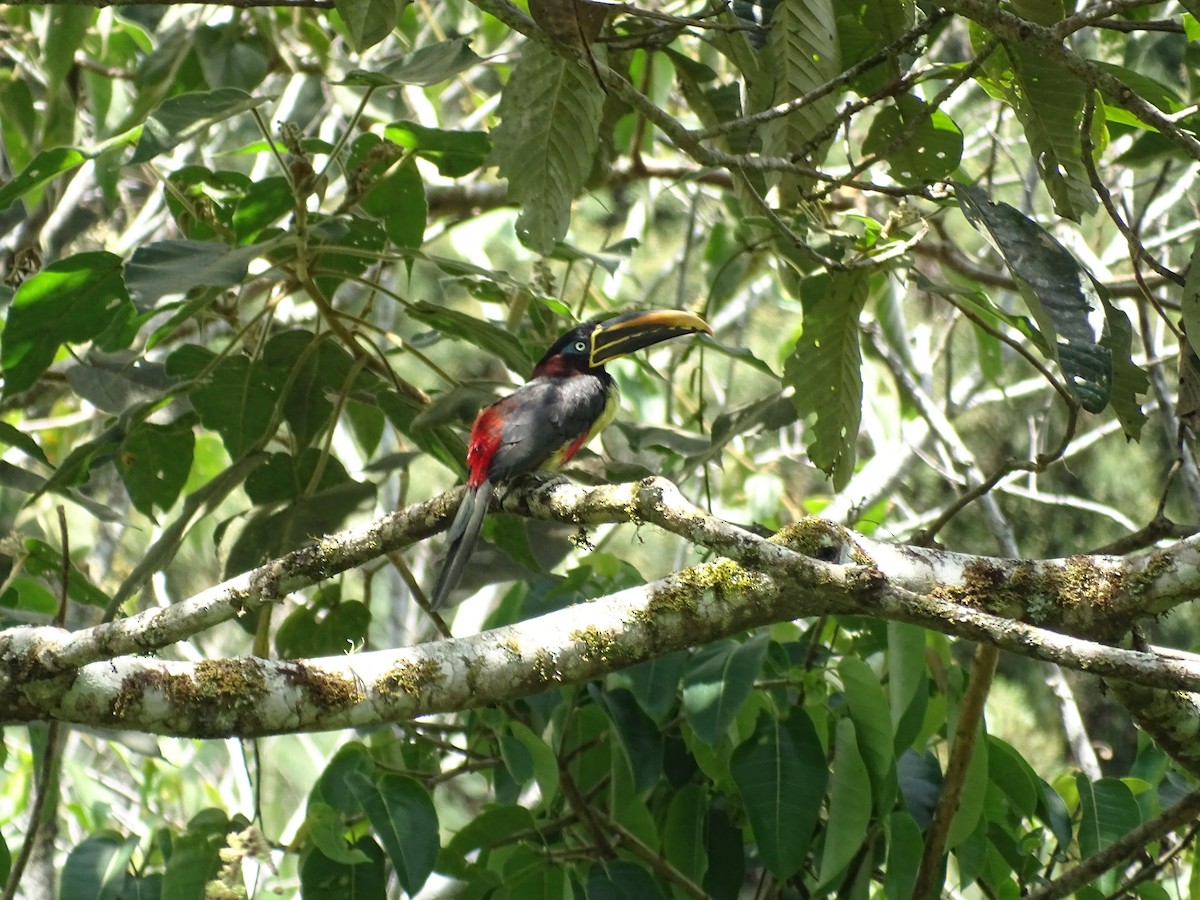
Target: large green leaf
780	774
654	683
903	857
1060	293
872	720
235	396
484	335
804	54
1129	379
1049	101
824	370
195	860
970	809
183	117
546	142
620	880
849	806
718	681
1109	812
683	834
77	299
402	814
171	268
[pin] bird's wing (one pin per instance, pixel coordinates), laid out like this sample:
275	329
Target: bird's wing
542	424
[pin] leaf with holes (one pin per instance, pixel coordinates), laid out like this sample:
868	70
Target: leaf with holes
1061	294
825	369
920	143
545	144
154	462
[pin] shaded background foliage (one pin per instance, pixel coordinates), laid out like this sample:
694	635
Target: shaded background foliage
262	266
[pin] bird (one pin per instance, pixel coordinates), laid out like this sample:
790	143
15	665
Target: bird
568	400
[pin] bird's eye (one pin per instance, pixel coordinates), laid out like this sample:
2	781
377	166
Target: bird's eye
580	346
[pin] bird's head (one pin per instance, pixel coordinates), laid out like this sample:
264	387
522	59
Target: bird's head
587	347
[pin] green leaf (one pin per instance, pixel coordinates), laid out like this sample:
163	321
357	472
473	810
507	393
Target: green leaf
545	765
313	370
172	268
301	497
903	856
491	827
327	832
76	299
1009	772
398	199
194	862
1191	299
322	878
43	560
726	856
181	118
236	398
620	880
717	683
640	737
1129	379
402	814
1049	100
231	57
455	153
654	683
546	141
970	802
97	868
683	835
14	437
1109	811
906	670
47	165
928	145
330	788
803	51
849	807
154	462
426	66
780	774
824	370
872	720
342	629
481	334
369	21
1060	293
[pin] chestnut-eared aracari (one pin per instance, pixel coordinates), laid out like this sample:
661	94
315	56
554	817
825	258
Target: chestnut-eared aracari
566	402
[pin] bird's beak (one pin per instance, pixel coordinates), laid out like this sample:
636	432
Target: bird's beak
625	334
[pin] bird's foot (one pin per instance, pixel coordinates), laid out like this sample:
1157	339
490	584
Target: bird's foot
539	478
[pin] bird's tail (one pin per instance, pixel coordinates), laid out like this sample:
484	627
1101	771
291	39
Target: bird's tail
461	540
